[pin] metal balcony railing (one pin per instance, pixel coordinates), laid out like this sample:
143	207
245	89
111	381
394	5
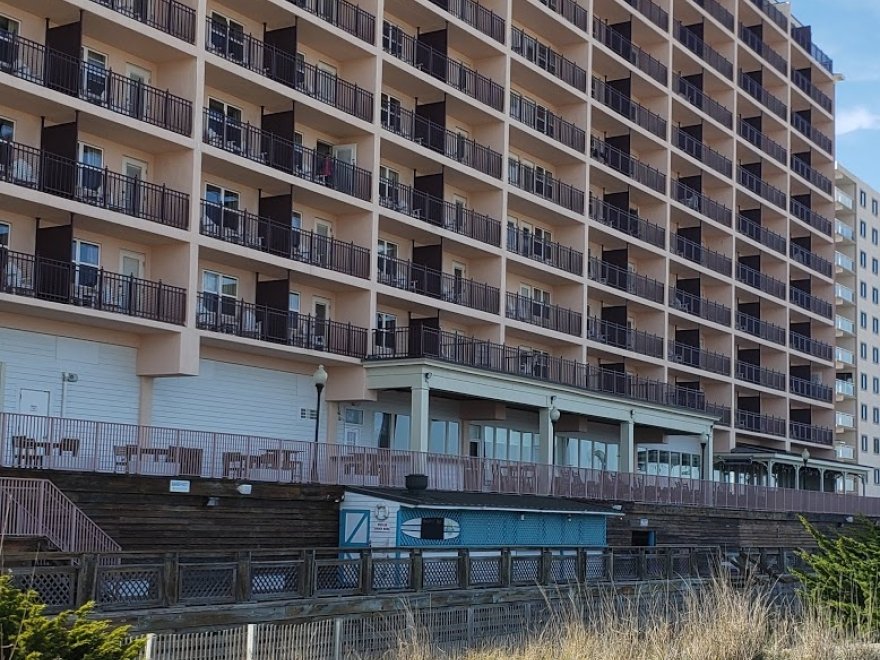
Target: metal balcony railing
810	217
425	281
764	143
90	287
539	118
807	87
526	244
802	38
252	231
629	223
762	329
844	262
762	48
702	152
697	201
757	91
819	435
700	254
844	356
46	172
570	11
441	140
704	51
718	12
762	235
476	15
758	375
543	184
544	57
652	11
810	346
452	216
703	308
432	62
622	46
809	389
775	15
811	174
622	279
812	133
844	324
811	259
810	302
845	387
627	165
720	412
169	16
627	108
757	280
271	150
622	337
344	15
700	100
243	319
698	358
844	231
546	315
760	187
758	423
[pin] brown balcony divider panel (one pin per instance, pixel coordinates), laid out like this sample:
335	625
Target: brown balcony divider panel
279	210
60	72
53	267
282	40
59	175
280	124
421	343
274	294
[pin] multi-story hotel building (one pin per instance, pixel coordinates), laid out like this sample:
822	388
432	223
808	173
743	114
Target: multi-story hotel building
598	234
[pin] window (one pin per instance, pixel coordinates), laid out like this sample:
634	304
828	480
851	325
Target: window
863	259
875	266
431	529
863	351
4	234
86	258
864	412
95	75
91	175
863	320
355	417
875	355
875	295
877	445
390	431
389	192
387	261
865	443
392	39
222	218
224	125
876	385
863	289
876	476
874	206
863	198
227	37
863	229
875	323
391	114
875	415
504	443
864	382
219	294
875	236
444	437
386	325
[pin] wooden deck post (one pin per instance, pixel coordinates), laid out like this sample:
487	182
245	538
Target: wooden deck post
308	574
546	566
170	575
417	570
464	568
366	572
505	568
86	580
243	578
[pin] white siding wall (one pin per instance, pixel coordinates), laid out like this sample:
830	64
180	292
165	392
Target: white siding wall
383	533
107	388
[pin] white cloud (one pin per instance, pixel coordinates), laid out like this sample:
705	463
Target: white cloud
855	119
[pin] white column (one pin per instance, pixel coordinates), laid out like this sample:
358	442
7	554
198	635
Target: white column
547	441
627	448
709	458
420	418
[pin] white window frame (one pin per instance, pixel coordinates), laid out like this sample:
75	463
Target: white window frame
5	236
386	326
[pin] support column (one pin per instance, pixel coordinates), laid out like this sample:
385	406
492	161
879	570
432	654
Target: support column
821	480
420	418
627	449
547	441
772	481
709	458
797	477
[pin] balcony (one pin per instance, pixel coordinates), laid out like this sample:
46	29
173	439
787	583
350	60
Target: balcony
432	62
716	10
810	390
801	36
704	51
622	337
623	47
169	16
813	134
437	212
814	347
623	280
627	165
257	233
547	59
764	143
818	435
703	308
753	41
31	61
627	108
844	325
570	11
844	262
759	281
773	13
758	423
279	153
344	15
844	231
844	420
844	356
653	12
762	235
754	89
845	388
700	203
543	184
760	187
811	174
89	287
698	358
807	87
548	316
811	260
289	69
810	217
43	171
476	15
720	412
761	329
241	319
810	302
702	152
628	223
702	101
700	254
526	244
425	281
844	294
539	118
439	139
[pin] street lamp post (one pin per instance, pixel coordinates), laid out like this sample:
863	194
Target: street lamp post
319	378
805	457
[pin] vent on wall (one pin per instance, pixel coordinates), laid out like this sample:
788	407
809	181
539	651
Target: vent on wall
308	413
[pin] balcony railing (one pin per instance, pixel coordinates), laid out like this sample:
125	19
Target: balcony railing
453	216
753	41
810	217
760	187
278	326
757	280
698	358
811	174
288	69
546	315
627	165
807	87
439	139
810	390
812	133
543	184
622	279
702	152
759	328
553	254
700	307
101	187
704	51
476	15
622	337
653	12
279	153
432	62
845	387
773	13
169	16
758	423
622	46
810	346
627	108
762	141
844	262
31	61
90	287
811	259
844	231
258	233
344	15
629	223
819	435
844	356
718	12
761	234
802	38
570	11
539	118
425	281
697	201
544	57
844	293
844	420
810	302
757	91
844	200
702	101
844	324
700	254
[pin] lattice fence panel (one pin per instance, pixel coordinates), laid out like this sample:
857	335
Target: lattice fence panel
207	582
391	574
596	569
563	569
525	570
270	580
440	573
129	585
55	587
626	568
337	577
485	571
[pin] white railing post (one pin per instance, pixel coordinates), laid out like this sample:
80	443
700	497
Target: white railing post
149	647
337	638
251	642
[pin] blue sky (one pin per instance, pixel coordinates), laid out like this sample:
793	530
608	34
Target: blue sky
849	31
